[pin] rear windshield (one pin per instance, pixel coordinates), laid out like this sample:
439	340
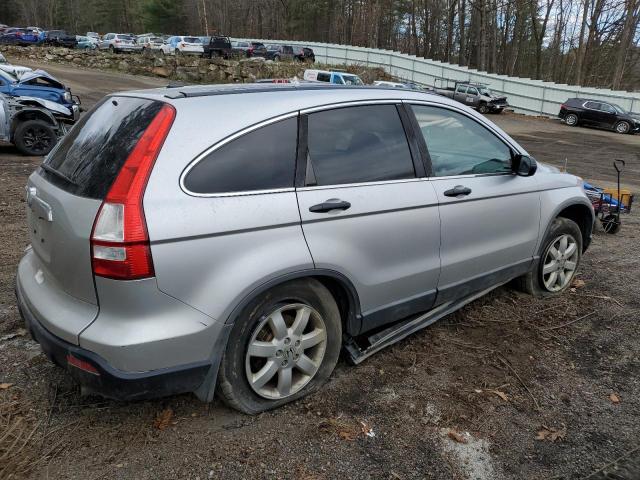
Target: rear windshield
192	39
89	157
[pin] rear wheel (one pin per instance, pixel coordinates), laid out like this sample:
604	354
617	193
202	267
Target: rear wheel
283	346
35	137
623	127
556	267
571	120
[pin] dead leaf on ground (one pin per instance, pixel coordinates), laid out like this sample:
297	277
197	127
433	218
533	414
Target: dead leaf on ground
344	430
163	419
614	398
457	436
551	434
4	386
367	430
577	283
501	394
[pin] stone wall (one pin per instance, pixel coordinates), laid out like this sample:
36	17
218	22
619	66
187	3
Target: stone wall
189	69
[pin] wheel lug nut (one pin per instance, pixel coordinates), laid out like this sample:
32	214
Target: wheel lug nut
287	341
285	363
297	343
279	353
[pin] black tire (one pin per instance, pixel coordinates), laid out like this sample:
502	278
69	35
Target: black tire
276	58
571	120
623	127
177	52
112	49
483	108
611	224
233	385
35	137
533	282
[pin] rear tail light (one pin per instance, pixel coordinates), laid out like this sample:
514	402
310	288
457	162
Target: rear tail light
119	239
182	45
116	41
82	365
563	106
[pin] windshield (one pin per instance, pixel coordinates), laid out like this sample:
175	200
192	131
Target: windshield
272	47
8	77
485	91
618	108
352	80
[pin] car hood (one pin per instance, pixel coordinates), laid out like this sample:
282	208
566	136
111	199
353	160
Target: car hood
49	105
546	168
40	74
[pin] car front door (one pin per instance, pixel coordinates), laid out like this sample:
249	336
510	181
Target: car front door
367	210
489	216
608	115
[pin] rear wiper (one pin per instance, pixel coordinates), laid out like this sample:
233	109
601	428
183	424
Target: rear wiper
58	174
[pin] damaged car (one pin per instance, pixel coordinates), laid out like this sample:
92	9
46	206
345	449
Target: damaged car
32	124
16	70
38	84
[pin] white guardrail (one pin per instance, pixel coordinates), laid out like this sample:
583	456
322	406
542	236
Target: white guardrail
532	97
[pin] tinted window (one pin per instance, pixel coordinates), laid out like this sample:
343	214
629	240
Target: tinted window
592	105
259	160
88	159
358	144
458	145
323	77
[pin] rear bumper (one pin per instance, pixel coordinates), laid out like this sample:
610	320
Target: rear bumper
108	381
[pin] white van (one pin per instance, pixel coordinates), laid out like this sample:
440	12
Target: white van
335	77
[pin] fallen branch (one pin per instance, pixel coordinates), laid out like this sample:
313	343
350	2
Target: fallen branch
567	324
506	363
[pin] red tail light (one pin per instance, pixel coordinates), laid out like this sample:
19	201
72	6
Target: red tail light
82	365
563	106
119	239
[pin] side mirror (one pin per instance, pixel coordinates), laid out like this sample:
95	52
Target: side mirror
523	165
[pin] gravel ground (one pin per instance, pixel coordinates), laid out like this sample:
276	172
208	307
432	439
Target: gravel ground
509	387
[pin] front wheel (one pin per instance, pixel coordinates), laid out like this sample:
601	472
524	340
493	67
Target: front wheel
623	127
283	346
483	108
556	267
35	138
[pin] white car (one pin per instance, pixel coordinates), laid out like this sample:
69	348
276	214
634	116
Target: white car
150	43
179	45
119	42
16	70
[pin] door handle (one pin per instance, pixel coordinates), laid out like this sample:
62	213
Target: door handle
328	205
457	191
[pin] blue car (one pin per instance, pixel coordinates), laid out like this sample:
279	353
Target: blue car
38	84
20	36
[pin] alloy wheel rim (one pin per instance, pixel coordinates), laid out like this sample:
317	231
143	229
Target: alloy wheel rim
622	127
285	351
571	119
36	139
560	263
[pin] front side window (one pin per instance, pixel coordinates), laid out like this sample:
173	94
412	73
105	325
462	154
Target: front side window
357	144
262	159
459	145
472	91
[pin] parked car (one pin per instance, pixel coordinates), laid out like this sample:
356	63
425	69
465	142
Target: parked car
60	38
181	262
85	43
240	49
150	43
596	113
216	46
182	45
32	124
336	77
95	36
38	84
249	49
304	54
20	36
118	43
37	31
277	52
15	70
475	95
385	83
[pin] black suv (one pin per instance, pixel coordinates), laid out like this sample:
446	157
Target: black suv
304	54
217	46
598	114
60	38
279	52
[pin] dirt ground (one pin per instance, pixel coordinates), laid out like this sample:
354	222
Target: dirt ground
508	388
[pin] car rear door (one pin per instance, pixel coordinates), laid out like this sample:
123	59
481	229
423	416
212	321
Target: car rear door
592	113
367	211
489	216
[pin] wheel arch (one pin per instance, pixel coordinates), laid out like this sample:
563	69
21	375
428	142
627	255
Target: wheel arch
340	287
582	215
31	114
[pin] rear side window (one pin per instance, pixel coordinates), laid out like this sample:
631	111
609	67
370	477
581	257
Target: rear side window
262	159
88	159
358	144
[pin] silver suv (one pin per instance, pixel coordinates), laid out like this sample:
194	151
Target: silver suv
183	239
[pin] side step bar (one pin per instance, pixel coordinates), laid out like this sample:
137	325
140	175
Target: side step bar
403	329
